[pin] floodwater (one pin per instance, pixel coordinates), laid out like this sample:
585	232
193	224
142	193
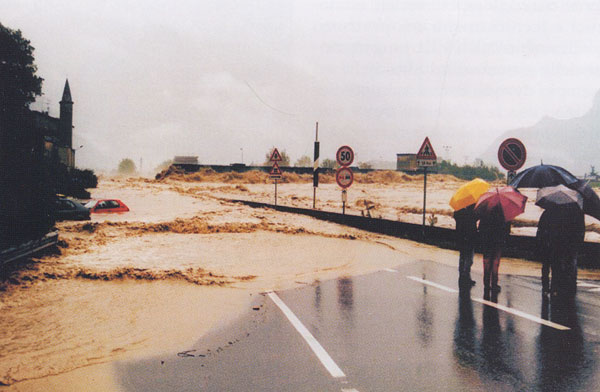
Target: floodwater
181	262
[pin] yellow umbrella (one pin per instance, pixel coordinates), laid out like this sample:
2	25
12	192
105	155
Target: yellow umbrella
469	193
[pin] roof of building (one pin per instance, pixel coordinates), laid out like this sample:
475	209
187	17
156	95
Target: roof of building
66	98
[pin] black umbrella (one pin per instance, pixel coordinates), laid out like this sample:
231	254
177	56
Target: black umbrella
591	201
541	176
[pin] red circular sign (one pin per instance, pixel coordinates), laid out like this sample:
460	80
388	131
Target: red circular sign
344	156
512	154
344	177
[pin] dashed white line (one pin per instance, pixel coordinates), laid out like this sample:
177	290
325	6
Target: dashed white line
349	390
495	305
319	351
390	270
430	283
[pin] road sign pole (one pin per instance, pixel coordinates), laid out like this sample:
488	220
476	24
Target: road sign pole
276	191
424	195
344	198
316	167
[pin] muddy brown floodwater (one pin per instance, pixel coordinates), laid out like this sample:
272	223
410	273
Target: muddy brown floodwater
184	260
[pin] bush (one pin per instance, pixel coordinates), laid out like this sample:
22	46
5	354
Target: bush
468	172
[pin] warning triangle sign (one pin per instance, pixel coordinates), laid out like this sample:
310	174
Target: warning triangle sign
426	151
275	171
275	156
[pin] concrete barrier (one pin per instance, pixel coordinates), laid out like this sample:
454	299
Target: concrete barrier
516	246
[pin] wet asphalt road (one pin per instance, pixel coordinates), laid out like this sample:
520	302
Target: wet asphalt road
403	329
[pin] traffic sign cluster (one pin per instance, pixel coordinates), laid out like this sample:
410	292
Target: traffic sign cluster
344	176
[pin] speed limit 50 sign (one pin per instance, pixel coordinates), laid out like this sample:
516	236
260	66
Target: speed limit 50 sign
344	156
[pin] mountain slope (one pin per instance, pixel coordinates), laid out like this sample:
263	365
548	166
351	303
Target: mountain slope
572	143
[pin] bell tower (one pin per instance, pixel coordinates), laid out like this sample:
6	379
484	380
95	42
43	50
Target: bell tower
66	117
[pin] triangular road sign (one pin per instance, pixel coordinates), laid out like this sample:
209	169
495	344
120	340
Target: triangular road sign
275	171
426	151
275	156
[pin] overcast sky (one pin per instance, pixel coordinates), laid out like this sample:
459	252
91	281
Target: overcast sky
153	79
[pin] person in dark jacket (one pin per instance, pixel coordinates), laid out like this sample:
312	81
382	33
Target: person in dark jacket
466	234
493	231
559	237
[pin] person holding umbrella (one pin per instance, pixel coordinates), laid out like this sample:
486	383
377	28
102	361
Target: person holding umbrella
561	231
463	203
496	208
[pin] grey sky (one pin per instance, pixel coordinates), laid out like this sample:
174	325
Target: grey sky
153	79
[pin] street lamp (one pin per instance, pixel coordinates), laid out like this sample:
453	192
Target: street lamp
242	150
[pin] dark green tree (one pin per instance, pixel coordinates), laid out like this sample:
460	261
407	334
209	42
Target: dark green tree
19	85
126	166
329	164
304	161
26	191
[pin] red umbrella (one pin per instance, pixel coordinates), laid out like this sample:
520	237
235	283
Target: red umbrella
507	199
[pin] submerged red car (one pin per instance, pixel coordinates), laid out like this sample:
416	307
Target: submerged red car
106	206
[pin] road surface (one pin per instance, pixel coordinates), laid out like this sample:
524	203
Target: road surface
407	328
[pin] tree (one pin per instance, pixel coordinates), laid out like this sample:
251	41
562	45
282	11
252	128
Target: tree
329	164
304	161
164	165
126	166
19	85
364	165
285	158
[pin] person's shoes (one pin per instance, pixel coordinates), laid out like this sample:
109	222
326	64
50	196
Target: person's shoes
496	288
466	282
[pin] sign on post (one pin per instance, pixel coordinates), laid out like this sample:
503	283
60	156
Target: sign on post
426	156
344	177
275	156
344	156
275	171
512	154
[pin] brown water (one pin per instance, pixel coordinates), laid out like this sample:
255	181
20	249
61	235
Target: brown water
183	261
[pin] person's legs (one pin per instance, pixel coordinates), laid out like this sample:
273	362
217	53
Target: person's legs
545	276
464	265
494	268
487	270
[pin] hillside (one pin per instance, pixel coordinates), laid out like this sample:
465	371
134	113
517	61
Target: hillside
571	143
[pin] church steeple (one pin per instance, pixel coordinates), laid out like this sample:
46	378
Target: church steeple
66	117
66	98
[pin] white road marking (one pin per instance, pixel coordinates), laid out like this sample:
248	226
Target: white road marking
495	305
583	284
522	314
349	390
319	351
389	270
427	282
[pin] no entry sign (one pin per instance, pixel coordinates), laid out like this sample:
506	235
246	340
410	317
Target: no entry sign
512	154
344	177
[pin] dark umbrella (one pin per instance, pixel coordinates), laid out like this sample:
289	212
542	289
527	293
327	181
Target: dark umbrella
541	176
591	201
507	200
558	196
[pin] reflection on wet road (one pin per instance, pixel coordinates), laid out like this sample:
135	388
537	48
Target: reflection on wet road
403	329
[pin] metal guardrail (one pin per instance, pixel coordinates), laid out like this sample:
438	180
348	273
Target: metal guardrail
516	245
27	249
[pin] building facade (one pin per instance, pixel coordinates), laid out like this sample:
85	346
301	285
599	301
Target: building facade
57	132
